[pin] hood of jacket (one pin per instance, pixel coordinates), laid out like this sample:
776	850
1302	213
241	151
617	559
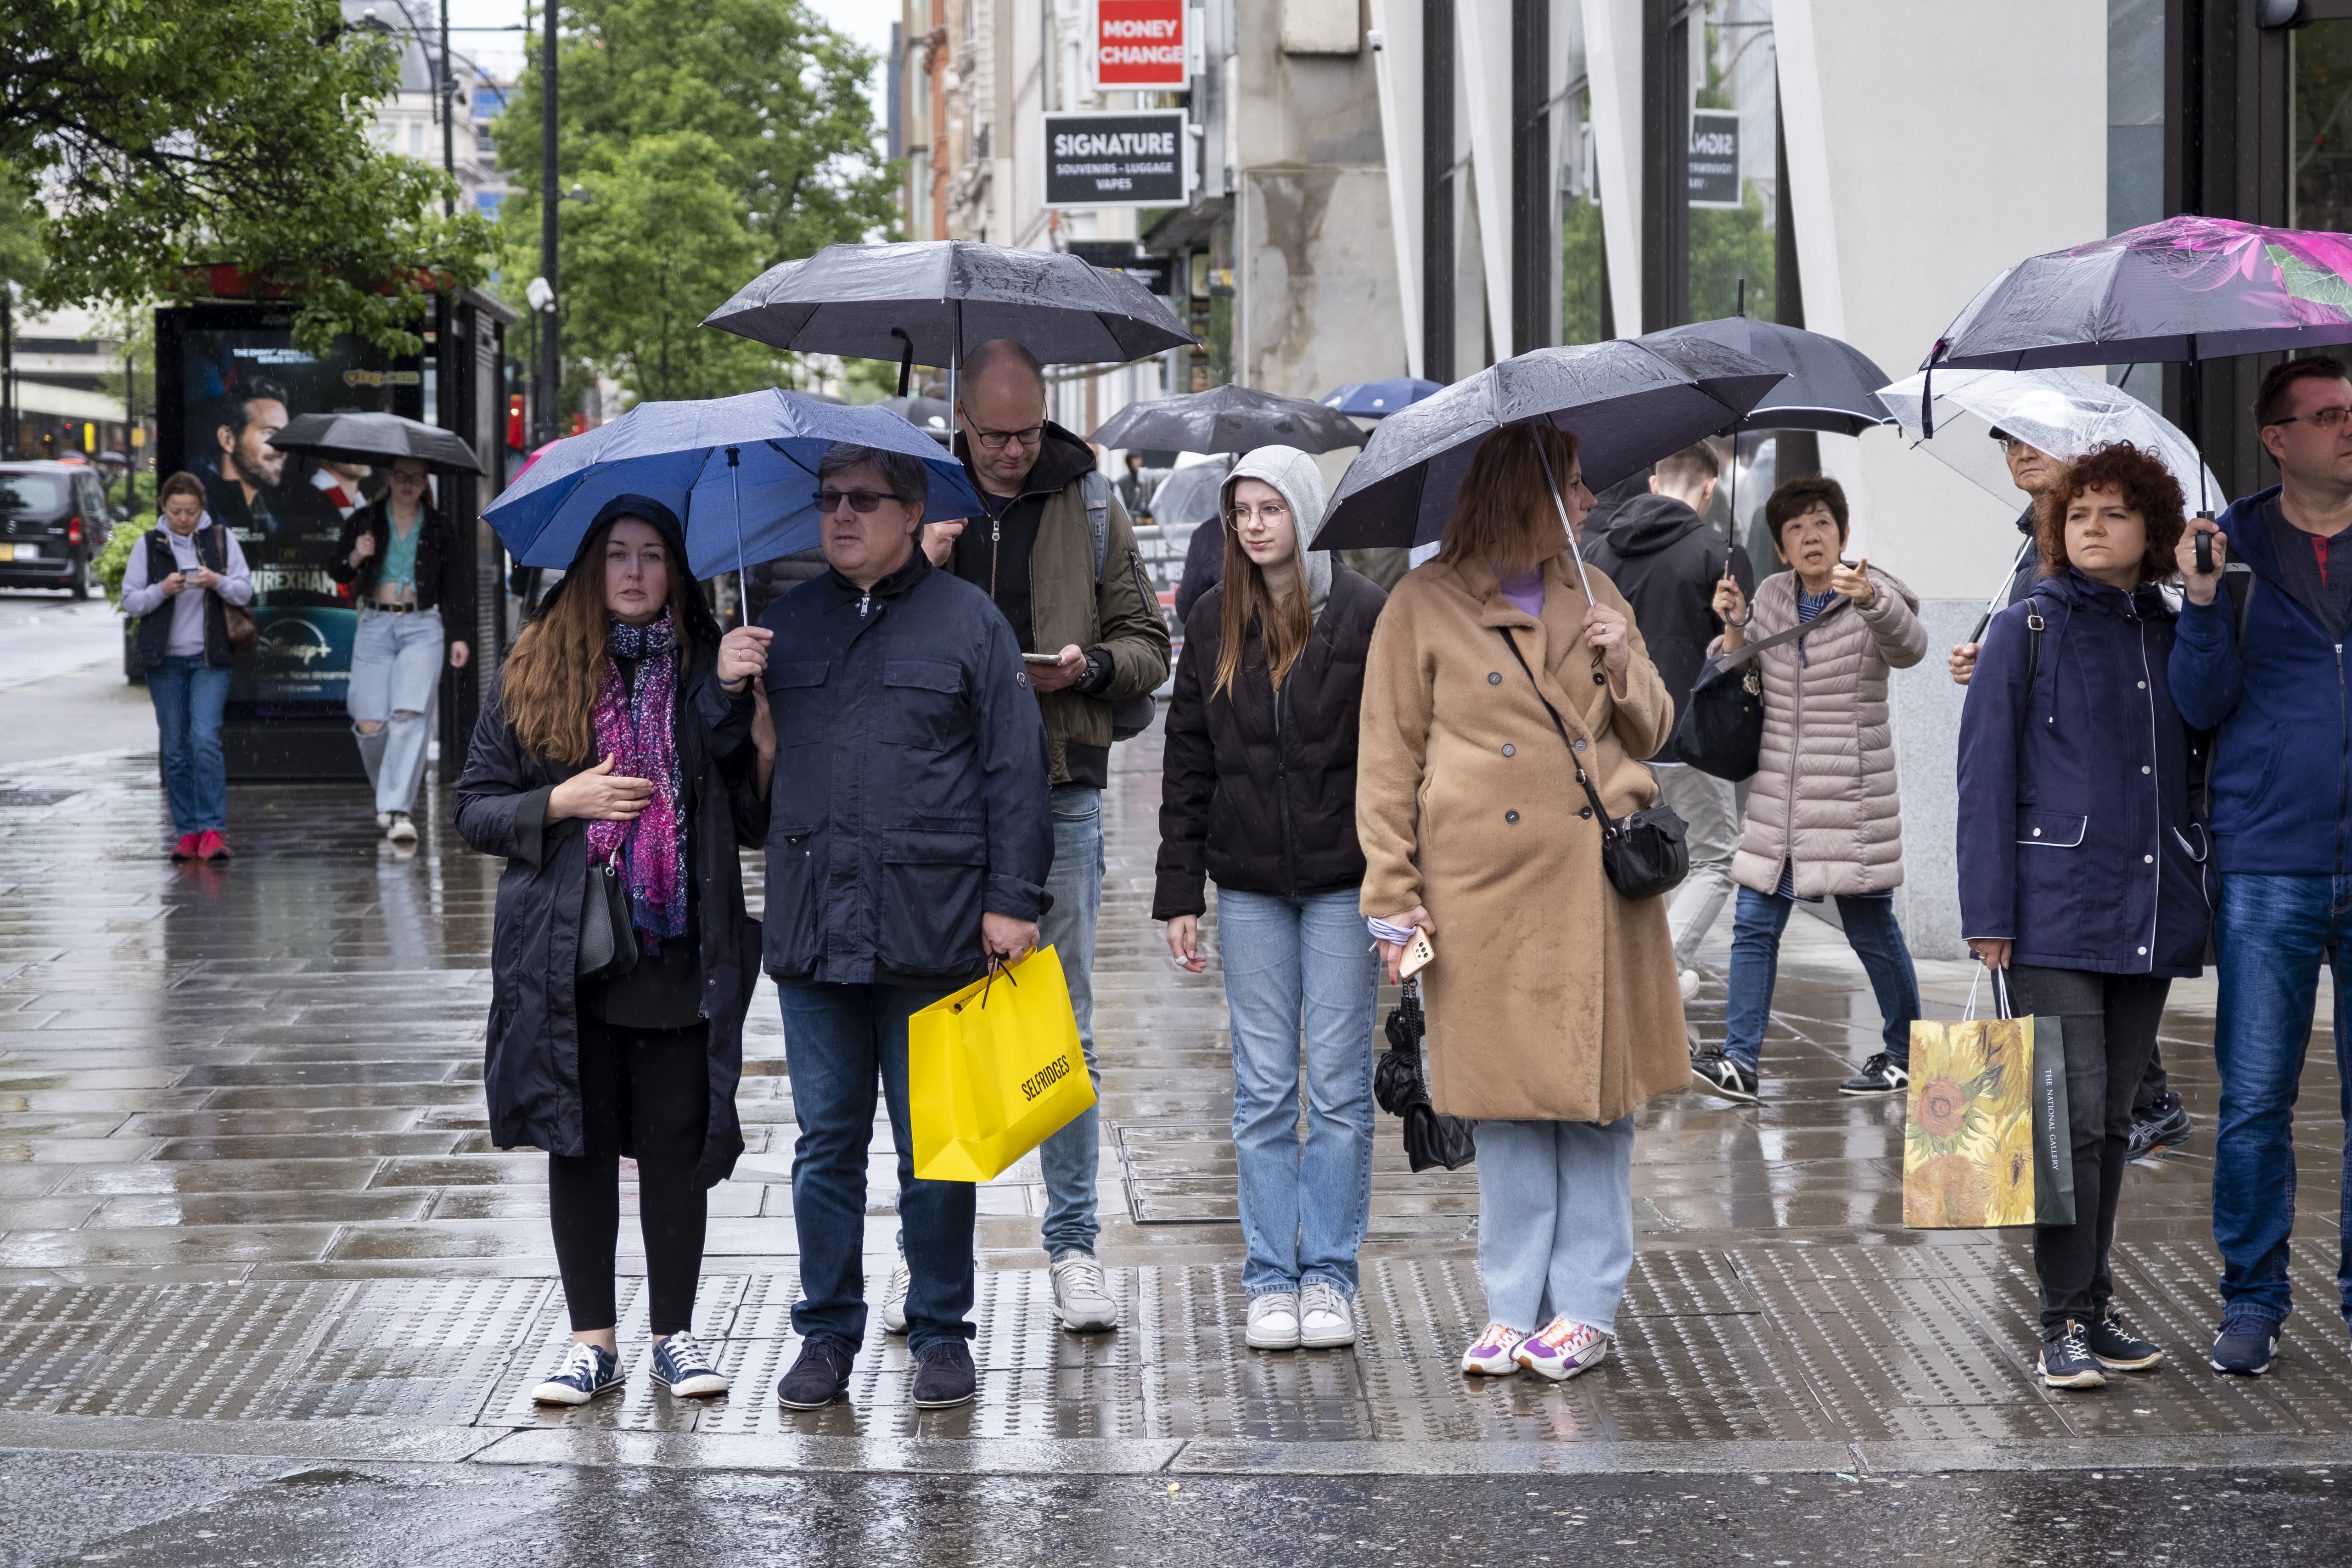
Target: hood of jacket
1646	524
702	625
1293	474
2076	591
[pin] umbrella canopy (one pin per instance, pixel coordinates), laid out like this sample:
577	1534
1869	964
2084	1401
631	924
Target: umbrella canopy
758	508
1630	403
376	440
2061	412
933	301
1378	399
1227	420
1832	386
2186	289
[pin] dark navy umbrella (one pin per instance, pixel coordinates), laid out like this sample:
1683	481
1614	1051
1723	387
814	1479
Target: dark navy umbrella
1630	402
1227	420
740	472
1378	399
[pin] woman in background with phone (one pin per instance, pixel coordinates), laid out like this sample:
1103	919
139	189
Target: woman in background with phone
1258	790
1552	1001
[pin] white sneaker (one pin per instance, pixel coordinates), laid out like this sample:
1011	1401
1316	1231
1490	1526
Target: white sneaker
1688	982
402	830
893	1300
1272	1321
1492	1354
382	820
1080	1299
1327	1320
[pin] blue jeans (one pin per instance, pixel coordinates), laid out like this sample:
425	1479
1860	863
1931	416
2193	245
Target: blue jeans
395	674
1555	1220
1069	1157
1302	1213
1876	940
188	695
2273	935
837	1039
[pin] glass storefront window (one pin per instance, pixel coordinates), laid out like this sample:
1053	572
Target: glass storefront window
2322	145
1734	190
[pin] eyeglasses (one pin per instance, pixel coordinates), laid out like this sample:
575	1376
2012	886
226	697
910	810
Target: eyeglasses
2325	418
997	440
861	502
1272	512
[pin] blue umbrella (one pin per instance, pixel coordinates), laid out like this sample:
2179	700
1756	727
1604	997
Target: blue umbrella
1378	399
740	471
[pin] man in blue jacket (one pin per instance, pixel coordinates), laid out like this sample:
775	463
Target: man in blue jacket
2274	680
909	841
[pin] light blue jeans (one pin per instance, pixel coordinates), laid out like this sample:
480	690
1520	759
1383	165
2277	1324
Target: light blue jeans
395	674
1303	1211
1069	1157
1555	1220
189	696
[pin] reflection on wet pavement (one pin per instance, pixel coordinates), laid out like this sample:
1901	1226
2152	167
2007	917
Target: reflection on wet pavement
241	1108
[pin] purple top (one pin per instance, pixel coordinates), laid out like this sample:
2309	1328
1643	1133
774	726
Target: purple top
1525	591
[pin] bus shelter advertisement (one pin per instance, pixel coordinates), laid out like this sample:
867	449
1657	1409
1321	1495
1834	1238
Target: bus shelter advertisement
240	380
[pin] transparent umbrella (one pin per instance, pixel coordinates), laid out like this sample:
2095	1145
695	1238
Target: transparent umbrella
2059	411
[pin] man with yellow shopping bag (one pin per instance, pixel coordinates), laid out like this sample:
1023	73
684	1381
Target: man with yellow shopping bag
908	853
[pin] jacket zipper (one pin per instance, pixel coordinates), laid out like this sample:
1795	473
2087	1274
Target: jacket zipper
1281	792
2156	788
2343	795
1796	731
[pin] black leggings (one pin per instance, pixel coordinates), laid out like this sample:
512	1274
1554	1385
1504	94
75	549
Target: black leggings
2111	1023
656	1084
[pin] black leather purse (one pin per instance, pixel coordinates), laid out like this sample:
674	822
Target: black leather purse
1644	854
608	938
1720	730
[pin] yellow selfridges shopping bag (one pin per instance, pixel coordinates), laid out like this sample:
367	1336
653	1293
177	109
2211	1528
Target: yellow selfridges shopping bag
994	1071
1968	1139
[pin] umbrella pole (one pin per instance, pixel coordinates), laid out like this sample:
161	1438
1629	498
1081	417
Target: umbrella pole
742	574
1553	484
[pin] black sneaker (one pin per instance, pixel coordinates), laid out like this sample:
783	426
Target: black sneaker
819	1378
2067	1361
2166	1126
944	1375
2244	1347
2116	1347
1882	1074
1719	1074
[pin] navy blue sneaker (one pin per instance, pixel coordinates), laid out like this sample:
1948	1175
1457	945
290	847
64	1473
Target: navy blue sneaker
2245	1346
588	1370
818	1378
681	1366
944	1375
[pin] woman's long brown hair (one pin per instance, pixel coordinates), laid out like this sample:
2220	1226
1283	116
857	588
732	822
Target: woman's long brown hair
558	663
1503	515
1285	626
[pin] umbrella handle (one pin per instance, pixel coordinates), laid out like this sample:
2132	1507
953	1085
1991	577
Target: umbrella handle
742	574
906	358
1553	484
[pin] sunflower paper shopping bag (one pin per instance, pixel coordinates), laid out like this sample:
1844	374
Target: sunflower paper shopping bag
1967	1137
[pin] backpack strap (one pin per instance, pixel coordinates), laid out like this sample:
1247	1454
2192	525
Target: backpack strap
1095	490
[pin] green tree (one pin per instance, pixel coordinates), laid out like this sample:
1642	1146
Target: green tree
712	139
166	135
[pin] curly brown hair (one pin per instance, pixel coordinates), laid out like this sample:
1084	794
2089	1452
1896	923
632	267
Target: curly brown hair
2148	487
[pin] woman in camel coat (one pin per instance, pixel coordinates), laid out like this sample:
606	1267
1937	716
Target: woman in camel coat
1823	819
1552	1006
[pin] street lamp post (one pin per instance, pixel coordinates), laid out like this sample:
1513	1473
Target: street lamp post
448	114
551	350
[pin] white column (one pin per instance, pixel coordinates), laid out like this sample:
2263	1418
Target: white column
1612	64
1483	30
1401	146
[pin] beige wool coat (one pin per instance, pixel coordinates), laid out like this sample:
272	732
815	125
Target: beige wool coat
1823	796
1551	998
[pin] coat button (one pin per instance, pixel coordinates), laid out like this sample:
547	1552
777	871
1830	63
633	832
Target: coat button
2143	767
1510	816
1494	678
1510	750
1584	811
2147	860
1598	678
1580	745
2037	832
2143	685
2143	953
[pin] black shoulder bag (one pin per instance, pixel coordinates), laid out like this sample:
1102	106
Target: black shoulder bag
608	940
1644	854
1720	730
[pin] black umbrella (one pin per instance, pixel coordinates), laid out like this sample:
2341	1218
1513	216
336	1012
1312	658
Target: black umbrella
932	302
1630	403
1228	419
376	440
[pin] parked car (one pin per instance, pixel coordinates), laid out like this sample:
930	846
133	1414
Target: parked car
54	519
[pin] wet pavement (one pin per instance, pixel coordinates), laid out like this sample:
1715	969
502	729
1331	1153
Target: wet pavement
249	1207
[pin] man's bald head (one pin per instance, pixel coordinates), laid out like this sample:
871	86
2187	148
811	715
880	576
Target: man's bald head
1000	406
1003	354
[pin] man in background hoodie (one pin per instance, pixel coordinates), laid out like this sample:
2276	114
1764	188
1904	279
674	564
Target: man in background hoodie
1666	558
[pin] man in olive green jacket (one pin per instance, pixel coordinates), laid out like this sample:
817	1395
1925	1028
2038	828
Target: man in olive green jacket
1057	554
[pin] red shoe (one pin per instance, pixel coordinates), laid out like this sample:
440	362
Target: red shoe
212	846
185	850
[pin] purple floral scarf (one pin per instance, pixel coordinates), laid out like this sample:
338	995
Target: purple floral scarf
636	729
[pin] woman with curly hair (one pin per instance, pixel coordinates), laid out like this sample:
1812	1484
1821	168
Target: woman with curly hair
2086	876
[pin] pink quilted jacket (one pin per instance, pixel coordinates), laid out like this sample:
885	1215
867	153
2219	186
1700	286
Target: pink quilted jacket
1824	796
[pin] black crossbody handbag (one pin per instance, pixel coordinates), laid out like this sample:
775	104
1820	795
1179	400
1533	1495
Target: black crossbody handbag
1644	854
608	940
1720	730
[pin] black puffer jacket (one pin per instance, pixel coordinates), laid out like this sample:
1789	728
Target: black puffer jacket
1258	789
1666	558
531	1070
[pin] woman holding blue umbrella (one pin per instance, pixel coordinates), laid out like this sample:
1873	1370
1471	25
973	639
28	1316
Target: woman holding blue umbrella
623	959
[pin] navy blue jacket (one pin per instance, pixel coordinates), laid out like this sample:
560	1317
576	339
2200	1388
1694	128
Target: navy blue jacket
2283	761
911	791
2079	844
